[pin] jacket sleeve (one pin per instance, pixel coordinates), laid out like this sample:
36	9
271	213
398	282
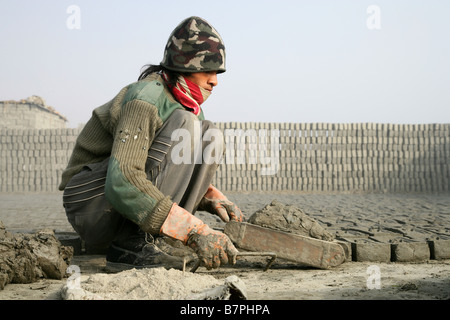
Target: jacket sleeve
127	187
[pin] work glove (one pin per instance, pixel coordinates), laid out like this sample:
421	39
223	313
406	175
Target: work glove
216	202
212	247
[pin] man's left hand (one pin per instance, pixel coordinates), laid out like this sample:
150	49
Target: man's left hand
216	202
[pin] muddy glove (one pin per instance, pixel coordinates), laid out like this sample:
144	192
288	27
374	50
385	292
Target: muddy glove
216	202
212	247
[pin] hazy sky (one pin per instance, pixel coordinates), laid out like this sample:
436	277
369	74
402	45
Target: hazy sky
287	61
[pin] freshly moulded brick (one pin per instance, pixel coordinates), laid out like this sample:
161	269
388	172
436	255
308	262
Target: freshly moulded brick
371	251
410	251
440	249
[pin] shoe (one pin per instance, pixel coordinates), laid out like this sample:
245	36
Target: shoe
147	256
176	248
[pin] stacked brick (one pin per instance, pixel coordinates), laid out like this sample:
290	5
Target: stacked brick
369	157
31	113
33	160
326	157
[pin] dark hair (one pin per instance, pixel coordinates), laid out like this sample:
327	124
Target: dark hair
152	68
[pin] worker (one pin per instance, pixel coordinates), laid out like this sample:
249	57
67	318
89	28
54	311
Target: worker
126	188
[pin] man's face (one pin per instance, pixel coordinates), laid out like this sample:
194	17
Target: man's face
205	80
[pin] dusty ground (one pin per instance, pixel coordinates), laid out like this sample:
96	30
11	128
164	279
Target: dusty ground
428	280
349	281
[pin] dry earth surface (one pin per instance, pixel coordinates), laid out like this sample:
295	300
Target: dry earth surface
426	280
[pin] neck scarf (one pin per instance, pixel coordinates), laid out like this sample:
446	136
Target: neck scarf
189	94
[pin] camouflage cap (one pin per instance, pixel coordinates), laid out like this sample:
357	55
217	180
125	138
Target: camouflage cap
194	46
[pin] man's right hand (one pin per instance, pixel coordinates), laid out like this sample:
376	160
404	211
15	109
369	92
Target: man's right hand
212	247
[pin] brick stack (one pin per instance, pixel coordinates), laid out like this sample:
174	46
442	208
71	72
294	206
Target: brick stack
325	157
33	160
32	113
340	157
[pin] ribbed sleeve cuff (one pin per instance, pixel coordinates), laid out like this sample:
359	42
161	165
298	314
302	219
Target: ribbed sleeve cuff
154	221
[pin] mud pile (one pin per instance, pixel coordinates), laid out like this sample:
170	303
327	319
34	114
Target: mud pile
25	258
154	284
289	218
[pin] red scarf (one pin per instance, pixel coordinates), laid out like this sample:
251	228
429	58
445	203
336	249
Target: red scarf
189	94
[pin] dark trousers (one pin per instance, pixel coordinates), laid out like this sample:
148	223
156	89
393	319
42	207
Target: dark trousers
181	163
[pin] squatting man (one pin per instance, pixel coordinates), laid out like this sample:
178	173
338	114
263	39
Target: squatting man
123	193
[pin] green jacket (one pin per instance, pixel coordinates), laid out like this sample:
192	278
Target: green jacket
123	129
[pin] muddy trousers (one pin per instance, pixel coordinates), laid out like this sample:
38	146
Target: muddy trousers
181	163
